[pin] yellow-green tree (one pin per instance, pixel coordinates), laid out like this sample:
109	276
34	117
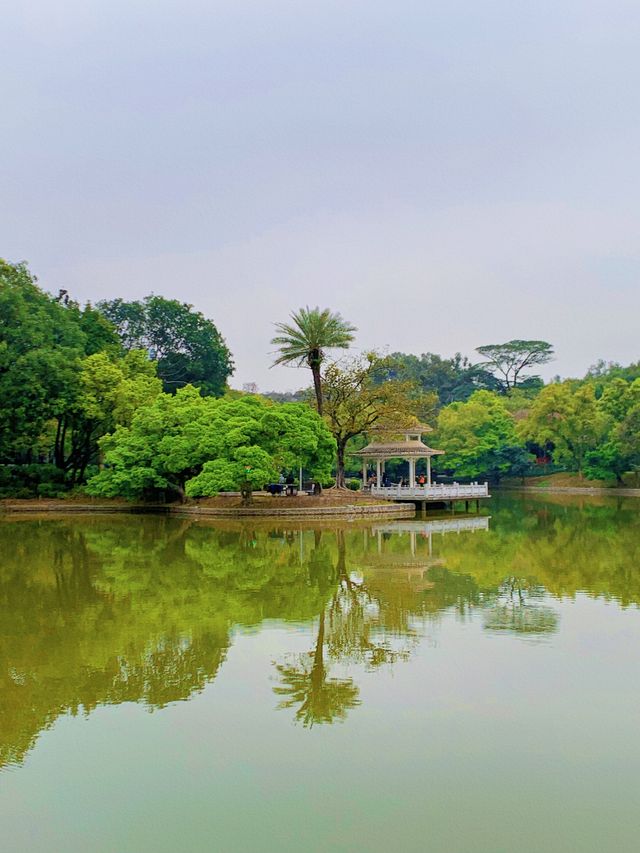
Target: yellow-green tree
354	402
479	436
566	417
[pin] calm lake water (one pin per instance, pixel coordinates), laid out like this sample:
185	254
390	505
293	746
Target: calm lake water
460	686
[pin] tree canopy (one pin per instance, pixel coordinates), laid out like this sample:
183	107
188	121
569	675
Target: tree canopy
199	445
478	437
305	340
507	361
355	402
187	347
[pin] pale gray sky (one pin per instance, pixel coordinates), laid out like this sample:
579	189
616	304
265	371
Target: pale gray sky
445	174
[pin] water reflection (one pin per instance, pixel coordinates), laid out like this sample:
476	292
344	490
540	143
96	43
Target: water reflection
107	610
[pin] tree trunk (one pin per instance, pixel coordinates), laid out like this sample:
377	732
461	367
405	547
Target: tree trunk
317	385
340	466
247	494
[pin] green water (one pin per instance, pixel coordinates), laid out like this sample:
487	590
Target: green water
170	685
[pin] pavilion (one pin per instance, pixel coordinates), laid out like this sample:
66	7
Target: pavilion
410	448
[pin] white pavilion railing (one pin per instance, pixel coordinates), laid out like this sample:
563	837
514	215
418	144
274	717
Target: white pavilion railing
435	492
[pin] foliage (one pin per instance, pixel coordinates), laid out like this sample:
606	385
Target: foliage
620	452
507	361
304	341
567	419
41	343
168	443
354	402
248	468
109	391
478	437
187	346
451	379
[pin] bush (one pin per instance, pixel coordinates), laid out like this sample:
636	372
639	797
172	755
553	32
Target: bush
49	490
29	481
353	484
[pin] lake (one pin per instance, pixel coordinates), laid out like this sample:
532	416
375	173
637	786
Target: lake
449	685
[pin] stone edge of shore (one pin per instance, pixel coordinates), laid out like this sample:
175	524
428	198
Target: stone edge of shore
346	511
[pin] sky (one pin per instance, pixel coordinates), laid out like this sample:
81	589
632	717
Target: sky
443	174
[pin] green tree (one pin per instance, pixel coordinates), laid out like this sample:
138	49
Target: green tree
478	437
306	339
109	392
452	379
566	417
507	361
42	342
186	345
167	445
248	468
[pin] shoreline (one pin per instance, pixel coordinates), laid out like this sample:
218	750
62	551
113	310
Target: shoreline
391	510
613	492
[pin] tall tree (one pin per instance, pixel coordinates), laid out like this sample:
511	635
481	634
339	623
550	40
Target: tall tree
507	361
188	347
42	343
306	339
354	402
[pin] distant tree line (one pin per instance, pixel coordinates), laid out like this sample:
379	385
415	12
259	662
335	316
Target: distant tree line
132	398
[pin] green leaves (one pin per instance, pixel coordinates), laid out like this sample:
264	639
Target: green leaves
507	361
311	333
567	417
187	346
205	446
476	436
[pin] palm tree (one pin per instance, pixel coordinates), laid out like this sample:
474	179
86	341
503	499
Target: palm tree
305	339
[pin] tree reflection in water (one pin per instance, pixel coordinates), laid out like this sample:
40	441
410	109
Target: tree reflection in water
105	610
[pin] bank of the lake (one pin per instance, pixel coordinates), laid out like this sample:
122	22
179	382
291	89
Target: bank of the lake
334	504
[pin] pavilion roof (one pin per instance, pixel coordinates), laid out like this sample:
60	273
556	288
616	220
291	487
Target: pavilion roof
400	449
395	429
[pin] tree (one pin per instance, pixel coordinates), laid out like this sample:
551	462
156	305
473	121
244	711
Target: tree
201	445
452	379
109	392
479	437
354	402
42	343
566	417
186	345
304	341
248	468
620	452
507	361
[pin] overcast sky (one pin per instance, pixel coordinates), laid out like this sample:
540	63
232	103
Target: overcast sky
445	174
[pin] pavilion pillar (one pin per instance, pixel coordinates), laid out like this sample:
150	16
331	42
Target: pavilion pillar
364	473
428	470
412	473
378	473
